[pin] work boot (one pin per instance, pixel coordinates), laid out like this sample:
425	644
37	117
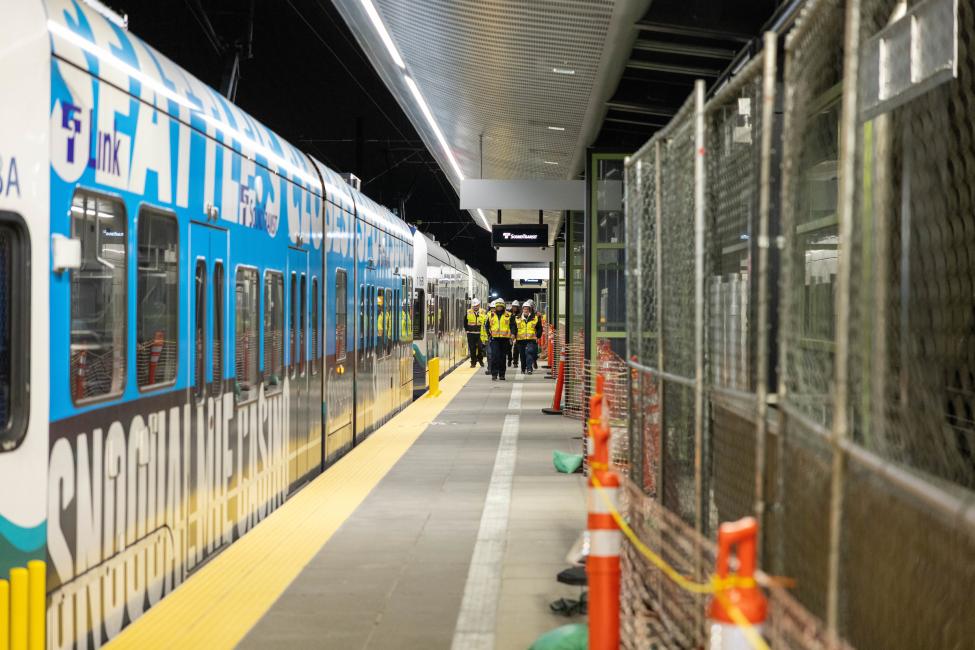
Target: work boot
480	361
495	378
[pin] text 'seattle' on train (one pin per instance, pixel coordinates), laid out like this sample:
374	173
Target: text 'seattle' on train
196	317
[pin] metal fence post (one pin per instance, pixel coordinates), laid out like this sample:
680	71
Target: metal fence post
699	227
761	340
658	283
840	425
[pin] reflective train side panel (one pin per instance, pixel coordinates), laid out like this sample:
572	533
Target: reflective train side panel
184	350
24	263
441	294
340	308
198	318
384	253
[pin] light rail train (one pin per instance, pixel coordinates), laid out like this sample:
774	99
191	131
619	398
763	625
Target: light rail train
196	317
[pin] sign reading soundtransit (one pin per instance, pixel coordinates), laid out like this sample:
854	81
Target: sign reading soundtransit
520	234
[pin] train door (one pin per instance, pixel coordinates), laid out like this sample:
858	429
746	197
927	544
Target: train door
208	301
340	366
296	286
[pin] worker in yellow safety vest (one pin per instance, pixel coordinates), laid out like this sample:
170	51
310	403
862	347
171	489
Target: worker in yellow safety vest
529	329
404	322
473	323
499	324
515	310
485	340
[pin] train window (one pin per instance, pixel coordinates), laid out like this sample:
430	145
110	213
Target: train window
419	305
362	317
341	315
293	326
303	323
371	318
381	334
313	356
246	339
217	351
388	315
397	317
200	329
98	297
14	330
157	299
273	330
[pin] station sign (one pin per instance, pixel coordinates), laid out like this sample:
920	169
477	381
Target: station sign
520	234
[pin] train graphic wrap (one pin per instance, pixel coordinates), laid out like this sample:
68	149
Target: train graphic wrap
144	486
207	318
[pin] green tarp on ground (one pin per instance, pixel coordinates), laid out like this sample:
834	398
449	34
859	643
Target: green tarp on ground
567	637
566	463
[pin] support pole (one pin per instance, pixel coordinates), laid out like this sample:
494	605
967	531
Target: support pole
559	384
18	608
433	370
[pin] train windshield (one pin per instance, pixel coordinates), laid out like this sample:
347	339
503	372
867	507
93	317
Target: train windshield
14	331
6	253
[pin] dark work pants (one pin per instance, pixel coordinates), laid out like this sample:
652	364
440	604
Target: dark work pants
474	347
530	355
520	347
500	349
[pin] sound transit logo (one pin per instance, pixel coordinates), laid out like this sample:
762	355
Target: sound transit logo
526	236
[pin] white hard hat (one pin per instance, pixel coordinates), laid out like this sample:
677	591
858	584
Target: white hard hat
515	303
475	303
497	301
529	303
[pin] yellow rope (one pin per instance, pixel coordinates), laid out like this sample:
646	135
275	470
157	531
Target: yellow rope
715	585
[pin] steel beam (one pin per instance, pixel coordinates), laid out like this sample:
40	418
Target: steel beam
642	109
684	49
670	68
693	32
649	125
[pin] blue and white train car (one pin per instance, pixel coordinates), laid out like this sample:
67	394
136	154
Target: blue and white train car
443	288
195	318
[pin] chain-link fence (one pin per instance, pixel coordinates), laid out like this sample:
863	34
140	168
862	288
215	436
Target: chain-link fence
862	473
577	380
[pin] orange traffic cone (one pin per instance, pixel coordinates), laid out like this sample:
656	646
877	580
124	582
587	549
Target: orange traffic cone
605	540
744	595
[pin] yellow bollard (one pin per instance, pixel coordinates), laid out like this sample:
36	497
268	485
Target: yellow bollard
433	370
4	615
37	604
18	609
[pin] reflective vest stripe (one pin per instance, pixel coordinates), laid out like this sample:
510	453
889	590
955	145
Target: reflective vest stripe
500	326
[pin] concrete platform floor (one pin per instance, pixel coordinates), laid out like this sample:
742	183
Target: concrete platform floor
396	573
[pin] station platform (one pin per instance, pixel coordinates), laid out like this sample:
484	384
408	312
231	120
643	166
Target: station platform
445	528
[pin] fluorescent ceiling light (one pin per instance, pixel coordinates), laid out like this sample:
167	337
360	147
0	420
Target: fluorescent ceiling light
555	70
433	124
387	40
556	128
550	162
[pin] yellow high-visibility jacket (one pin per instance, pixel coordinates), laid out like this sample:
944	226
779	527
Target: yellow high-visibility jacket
528	328
499	326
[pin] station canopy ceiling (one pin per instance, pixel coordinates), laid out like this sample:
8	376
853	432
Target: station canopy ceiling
513	90
519	89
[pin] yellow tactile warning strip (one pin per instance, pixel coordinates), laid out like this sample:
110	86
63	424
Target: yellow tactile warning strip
220	604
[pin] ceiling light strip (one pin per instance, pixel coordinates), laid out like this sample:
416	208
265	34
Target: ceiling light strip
387	40
433	124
